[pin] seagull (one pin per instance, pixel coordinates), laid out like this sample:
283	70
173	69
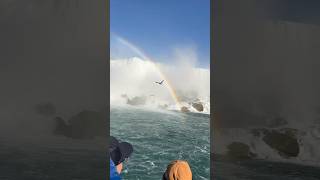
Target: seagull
159	82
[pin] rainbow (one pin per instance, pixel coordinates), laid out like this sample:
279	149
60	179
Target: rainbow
143	55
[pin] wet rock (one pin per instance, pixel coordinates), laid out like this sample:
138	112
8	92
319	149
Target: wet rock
198	106
138	100
238	151
184	109
88	124
62	128
165	106
45	109
84	125
285	143
290	132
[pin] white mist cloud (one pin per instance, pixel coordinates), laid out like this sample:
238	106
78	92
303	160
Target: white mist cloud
185	56
135	76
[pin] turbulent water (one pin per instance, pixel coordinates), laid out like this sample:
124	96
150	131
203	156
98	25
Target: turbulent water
160	136
53	158
307	144
147	115
264	170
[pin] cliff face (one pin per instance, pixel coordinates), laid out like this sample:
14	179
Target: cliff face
84	125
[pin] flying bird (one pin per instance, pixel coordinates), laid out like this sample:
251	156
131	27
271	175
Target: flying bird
159	82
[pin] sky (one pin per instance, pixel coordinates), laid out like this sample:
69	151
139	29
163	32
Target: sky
159	27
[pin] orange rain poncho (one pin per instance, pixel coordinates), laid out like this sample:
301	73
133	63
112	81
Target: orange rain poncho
178	170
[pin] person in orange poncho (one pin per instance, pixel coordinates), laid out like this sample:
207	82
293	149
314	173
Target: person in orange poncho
178	170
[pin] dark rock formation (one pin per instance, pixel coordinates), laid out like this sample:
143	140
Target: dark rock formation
290	132
282	140
62	128
198	106
45	109
165	106
184	109
238	151
86	124
137	100
285	143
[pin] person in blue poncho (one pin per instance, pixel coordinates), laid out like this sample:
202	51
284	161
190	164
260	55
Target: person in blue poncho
119	152
114	175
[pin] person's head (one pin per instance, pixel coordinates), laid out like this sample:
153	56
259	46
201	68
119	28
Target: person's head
178	170
119	152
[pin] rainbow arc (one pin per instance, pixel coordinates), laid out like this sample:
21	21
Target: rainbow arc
143	55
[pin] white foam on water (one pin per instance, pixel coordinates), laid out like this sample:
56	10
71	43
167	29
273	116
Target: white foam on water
308	145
